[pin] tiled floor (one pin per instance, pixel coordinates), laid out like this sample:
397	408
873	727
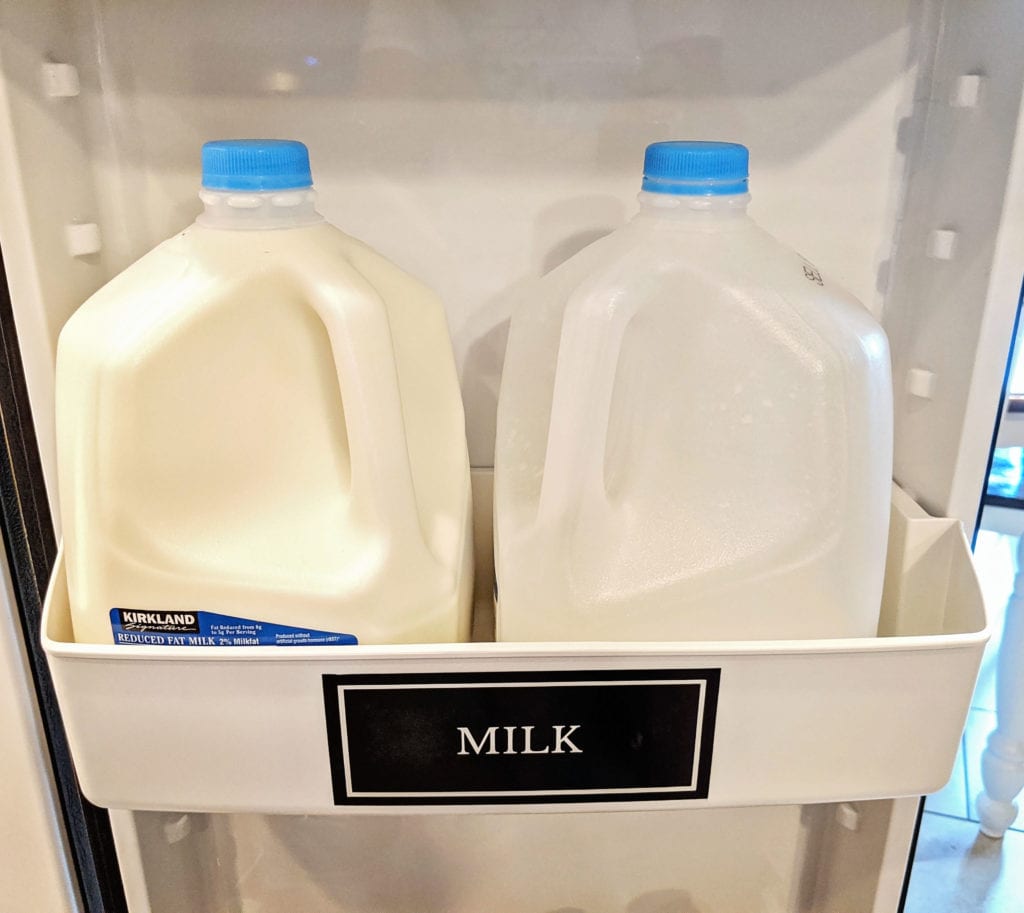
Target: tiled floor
996	558
957	870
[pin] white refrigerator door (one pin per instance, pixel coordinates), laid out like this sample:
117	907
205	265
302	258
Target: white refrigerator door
34	861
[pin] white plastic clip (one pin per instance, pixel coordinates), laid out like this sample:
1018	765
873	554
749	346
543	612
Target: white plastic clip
920	383
177	830
83	238
847	816
967	91
60	80
942	244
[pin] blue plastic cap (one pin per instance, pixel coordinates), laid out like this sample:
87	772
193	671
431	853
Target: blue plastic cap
256	164
696	169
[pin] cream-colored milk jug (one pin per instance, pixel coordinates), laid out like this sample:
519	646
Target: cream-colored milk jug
260	433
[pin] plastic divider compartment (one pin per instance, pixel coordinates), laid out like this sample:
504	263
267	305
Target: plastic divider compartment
243	728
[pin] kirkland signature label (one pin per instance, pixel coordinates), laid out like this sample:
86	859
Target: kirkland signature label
208	629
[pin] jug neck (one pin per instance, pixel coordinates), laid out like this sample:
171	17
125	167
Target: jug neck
698	210
258	210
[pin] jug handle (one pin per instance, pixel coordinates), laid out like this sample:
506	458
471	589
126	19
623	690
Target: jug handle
593	328
356	319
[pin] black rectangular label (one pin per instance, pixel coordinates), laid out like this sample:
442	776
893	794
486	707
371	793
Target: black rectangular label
528	737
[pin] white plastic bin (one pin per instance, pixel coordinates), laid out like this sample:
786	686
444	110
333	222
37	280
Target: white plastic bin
246	729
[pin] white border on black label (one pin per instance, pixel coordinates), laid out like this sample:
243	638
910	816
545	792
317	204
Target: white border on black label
689	788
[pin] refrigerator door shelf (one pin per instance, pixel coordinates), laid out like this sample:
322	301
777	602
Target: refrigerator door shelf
259	729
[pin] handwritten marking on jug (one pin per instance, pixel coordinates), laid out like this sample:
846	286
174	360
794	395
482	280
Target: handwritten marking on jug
812	274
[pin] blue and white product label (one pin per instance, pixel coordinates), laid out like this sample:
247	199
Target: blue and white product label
208	629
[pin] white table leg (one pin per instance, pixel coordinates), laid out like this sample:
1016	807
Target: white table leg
1002	762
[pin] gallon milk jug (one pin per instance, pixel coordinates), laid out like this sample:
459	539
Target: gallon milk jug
694	431
260	433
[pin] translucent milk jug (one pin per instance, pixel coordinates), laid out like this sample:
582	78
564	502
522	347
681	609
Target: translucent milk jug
260	433
694	433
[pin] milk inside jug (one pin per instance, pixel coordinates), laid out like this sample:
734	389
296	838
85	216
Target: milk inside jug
694	435
260	433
